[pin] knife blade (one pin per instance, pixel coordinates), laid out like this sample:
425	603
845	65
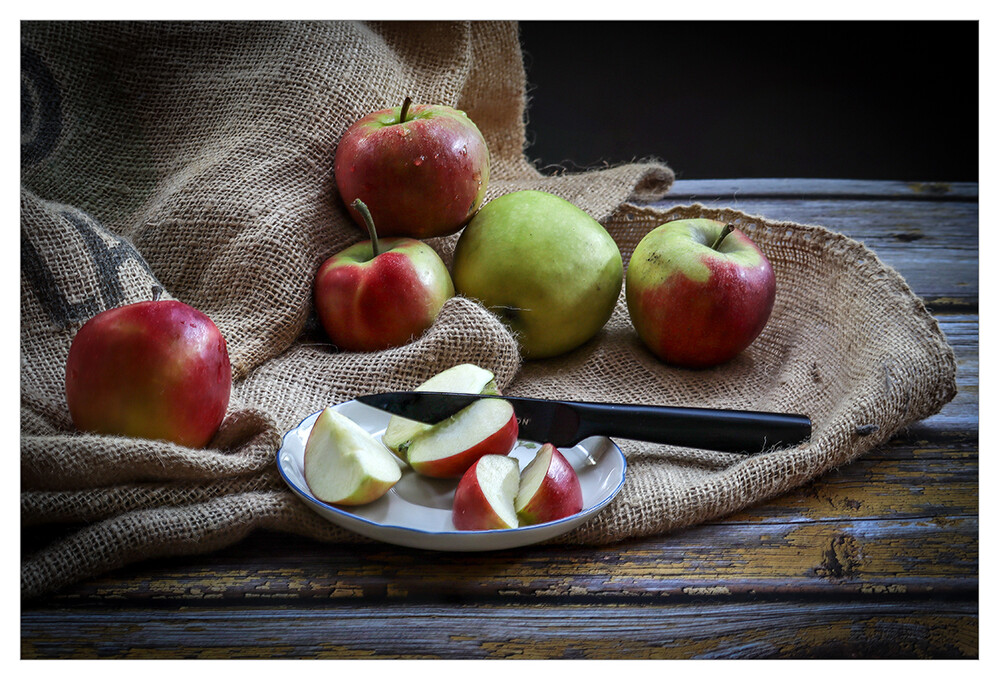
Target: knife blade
566	423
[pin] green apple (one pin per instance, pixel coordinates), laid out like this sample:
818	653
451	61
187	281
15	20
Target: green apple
344	464
549	271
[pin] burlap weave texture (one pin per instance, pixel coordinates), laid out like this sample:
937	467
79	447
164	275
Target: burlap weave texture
198	157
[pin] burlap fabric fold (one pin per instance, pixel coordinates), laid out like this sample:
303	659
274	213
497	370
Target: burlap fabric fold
197	157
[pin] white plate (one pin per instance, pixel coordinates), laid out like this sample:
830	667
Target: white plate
416	512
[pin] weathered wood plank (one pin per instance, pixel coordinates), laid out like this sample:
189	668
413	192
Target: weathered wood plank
791	559
942	628
933	482
798	188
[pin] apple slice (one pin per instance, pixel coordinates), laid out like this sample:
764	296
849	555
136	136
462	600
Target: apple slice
549	488
346	465
463	378
485	495
449	448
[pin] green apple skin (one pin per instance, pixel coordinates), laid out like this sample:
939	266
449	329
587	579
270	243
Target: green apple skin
422	177
694	306
548	270
367	303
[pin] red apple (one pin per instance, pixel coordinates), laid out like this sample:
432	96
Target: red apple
422	169
485	495
380	293
549	488
489	426
156	370
698	292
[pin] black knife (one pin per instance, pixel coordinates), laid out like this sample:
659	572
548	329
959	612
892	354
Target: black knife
566	423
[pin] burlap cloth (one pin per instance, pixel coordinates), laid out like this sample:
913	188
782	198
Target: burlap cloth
199	157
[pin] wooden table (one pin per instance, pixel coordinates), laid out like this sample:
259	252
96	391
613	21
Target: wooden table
876	559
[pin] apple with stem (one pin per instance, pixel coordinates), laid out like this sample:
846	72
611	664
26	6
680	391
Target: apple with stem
344	464
549	488
157	369
698	291
423	169
484	498
380	293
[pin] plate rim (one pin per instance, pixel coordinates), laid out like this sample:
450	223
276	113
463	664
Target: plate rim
311	499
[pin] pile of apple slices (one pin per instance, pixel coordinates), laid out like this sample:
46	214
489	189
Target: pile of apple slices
346	465
447	449
493	494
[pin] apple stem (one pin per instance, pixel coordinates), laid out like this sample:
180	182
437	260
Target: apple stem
728	229
157	293
404	110
370	224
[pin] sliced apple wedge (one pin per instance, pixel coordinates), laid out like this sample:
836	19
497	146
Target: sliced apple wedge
549	488
344	464
448	449
485	495
463	378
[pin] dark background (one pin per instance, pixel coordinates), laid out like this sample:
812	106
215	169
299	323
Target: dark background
837	99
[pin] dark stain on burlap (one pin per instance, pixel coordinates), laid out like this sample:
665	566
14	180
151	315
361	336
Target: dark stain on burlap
198	157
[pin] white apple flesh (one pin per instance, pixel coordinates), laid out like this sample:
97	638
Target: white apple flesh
484	499
447	450
549	488
344	464
463	378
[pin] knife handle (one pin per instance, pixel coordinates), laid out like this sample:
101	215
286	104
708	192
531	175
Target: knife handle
746	432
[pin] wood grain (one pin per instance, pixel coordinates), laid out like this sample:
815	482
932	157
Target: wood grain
924	629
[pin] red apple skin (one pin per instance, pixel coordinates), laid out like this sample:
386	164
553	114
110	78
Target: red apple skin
423	178
367	304
695	323
470	510
499	443
156	370
559	495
